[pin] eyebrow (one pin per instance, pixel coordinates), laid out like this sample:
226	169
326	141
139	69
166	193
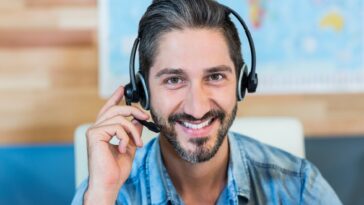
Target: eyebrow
180	71
220	68
169	71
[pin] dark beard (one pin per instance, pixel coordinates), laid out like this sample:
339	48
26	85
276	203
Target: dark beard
202	153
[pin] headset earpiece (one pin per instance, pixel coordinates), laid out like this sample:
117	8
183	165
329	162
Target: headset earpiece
131	95
253	83
142	91
140	94
242	84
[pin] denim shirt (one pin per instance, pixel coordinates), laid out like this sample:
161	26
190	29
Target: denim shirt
257	174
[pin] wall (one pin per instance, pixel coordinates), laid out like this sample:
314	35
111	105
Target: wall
48	78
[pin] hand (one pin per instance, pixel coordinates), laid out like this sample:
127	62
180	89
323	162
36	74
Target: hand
110	165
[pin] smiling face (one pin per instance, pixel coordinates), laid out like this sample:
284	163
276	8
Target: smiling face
193	91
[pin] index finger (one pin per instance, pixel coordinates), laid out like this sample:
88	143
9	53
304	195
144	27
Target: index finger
115	99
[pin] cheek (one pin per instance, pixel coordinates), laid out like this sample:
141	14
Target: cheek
226	97
165	101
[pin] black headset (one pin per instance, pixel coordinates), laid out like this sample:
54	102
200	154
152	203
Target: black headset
137	89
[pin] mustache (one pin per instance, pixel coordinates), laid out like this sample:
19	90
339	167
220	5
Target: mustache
214	113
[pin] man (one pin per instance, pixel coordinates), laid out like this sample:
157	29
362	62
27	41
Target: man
190	56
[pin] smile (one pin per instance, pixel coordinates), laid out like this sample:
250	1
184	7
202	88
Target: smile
196	126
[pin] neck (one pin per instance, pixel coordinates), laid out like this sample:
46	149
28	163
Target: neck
192	181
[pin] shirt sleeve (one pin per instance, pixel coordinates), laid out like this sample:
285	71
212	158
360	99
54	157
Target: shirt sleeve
315	189
80	192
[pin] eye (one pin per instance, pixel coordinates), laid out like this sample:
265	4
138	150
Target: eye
173	80
215	77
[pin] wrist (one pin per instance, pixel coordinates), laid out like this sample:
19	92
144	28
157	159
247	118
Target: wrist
100	196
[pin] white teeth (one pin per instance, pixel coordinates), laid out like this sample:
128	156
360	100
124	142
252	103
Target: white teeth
196	126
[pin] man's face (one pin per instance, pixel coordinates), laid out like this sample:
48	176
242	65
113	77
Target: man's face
193	91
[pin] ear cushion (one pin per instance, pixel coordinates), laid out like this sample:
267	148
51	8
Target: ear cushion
143	91
129	94
242	82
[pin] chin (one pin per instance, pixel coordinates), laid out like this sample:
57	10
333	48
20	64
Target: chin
196	150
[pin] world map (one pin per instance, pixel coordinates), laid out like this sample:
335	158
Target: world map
303	46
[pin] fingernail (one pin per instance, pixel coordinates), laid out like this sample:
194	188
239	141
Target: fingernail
122	148
140	142
135	122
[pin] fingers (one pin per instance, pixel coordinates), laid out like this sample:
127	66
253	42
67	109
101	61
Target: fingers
124	148
115	99
131	128
125	111
121	128
106	132
111	121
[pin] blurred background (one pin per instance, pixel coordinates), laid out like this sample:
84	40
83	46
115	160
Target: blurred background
50	84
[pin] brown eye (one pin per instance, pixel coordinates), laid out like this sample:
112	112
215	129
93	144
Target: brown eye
173	80
215	77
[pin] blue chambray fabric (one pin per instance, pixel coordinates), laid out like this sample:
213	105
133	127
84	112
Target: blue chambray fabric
257	174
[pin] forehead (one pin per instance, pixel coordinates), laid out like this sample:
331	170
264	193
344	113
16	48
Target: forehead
192	50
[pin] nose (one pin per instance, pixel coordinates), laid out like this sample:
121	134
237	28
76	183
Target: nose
197	101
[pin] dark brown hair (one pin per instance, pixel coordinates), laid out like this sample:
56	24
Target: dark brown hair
163	16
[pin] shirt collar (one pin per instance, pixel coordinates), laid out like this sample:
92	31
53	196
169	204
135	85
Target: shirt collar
238	175
160	185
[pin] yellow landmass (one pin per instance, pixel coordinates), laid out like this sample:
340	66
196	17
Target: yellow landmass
333	20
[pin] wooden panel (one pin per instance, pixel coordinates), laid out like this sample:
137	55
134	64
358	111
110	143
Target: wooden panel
11	4
60	2
13	59
49	76
46	116
322	115
45	38
48	92
49	18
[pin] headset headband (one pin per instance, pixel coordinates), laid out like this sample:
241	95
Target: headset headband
246	81
253	78
132	63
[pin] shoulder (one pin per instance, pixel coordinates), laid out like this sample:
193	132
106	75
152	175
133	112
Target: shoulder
275	171
258	154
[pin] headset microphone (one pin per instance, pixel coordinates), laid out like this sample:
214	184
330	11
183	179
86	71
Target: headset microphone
137	90
132	93
150	125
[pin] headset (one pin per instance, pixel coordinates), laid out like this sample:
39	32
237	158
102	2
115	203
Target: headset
137	90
